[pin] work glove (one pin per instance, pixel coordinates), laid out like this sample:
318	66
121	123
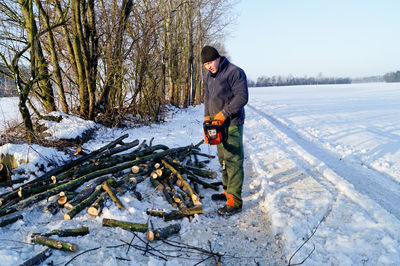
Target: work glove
220	118
207	118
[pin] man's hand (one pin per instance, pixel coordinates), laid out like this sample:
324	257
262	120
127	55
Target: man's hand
207	118
220	117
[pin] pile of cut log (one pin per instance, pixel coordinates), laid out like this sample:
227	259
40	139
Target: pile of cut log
87	182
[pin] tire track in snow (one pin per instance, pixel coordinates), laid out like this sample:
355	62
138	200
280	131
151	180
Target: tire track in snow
385	192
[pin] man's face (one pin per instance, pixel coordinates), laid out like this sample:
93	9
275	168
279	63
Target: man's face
212	66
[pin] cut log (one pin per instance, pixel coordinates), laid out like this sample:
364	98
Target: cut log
4	198
39	258
53	243
156	184
136	179
195	198
163	233
64	197
106	187
72	185
194	178
137	195
157	213
168	197
125	225
201	172
85	193
52	207
204	154
10	220
121	148
173	215
85	203
81	231
96	208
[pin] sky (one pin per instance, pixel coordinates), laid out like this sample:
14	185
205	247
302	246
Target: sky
341	38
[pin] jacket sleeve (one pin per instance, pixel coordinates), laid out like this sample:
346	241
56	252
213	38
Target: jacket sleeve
206	98
238	83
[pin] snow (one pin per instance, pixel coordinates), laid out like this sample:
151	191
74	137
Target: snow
322	169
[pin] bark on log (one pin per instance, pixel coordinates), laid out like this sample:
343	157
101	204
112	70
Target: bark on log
136	179
64	197
85	193
121	148
39	258
10	220
85	203
106	187
71	185
137	195
201	172
173	215
194	178
169	198
4	198
204	155
163	233
125	225
53	207
157	213
81	231
156	184
195	198
96	208
53	243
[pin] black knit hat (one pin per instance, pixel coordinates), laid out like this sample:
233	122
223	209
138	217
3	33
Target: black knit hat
209	53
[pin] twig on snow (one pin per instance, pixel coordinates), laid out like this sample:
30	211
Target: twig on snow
308	238
81	254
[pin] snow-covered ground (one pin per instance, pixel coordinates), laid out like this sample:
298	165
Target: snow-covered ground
322	169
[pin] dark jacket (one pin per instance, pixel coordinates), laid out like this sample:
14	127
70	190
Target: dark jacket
226	91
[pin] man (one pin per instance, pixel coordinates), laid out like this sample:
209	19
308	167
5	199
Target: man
225	96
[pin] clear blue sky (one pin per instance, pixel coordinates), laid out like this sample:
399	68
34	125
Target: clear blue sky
340	38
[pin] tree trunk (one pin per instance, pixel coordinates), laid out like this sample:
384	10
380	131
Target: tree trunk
106	187
125	225
4	198
96	208
81	231
85	203
195	198
163	233
54	58
77	39
173	215
39	258
53	243
11	220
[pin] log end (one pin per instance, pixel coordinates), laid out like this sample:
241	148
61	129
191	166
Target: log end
62	200
94	212
150	236
135	169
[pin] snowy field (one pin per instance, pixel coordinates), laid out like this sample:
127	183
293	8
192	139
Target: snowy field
322	184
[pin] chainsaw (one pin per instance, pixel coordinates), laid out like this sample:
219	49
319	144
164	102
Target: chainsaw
214	132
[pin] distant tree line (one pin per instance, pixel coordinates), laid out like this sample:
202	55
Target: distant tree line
290	80
392	77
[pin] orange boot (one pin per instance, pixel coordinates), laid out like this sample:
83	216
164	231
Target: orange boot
229	208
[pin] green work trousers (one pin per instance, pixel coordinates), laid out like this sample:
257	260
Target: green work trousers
231	157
